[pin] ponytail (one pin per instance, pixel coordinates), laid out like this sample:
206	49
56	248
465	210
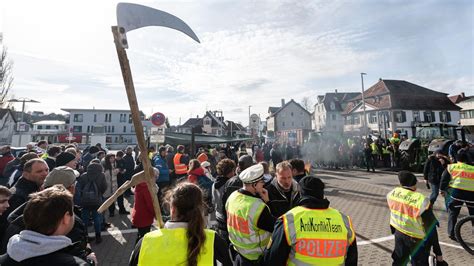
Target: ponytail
187	200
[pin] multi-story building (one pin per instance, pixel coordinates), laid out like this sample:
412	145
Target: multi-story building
213	123
467	114
7	126
395	106
289	123
116	125
53	131
327	115
189	125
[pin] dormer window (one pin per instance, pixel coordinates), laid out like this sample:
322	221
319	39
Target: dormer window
332	106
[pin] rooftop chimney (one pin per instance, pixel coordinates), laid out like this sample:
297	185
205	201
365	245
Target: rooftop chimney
463	95
282	102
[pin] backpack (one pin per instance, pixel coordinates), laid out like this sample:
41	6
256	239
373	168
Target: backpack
90	196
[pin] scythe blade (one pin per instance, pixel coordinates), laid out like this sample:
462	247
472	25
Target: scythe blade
133	16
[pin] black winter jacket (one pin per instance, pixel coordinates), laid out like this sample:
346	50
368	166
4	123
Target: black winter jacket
279	203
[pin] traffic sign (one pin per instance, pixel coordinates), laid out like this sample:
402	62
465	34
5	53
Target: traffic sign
157	139
70	138
158	119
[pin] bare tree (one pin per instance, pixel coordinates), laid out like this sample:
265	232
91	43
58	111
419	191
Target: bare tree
6	77
307	104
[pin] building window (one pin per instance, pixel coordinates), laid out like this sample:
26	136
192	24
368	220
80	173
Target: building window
130	118
333	116
95	117
373	118
88	129
123	118
400	116
282	124
291	113
77	118
356	120
77	129
416	116
445	116
429	116
332	106
124	129
207	121
40	127
113	129
108	117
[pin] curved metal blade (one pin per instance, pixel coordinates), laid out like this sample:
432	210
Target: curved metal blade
133	16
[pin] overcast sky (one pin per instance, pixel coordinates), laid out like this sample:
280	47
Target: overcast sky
251	52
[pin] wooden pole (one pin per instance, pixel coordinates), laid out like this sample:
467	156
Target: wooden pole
132	100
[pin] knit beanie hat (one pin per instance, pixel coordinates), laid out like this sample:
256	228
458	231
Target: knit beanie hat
64	157
312	186
406	178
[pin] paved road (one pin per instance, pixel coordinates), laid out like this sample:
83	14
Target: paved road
358	194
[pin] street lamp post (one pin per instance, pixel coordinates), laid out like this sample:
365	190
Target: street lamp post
23	101
363	105
250	130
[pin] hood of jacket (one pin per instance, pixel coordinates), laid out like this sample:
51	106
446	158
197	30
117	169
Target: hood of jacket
30	244
197	172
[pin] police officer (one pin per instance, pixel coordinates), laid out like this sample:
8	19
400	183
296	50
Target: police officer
457	182
411	217
249	220
312	233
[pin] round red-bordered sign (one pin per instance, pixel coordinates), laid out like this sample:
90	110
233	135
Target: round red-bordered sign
158	119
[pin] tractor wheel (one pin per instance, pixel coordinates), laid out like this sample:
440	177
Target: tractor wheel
405	160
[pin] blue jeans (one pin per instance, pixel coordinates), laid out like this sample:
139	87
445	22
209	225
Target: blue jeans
434	192
95	216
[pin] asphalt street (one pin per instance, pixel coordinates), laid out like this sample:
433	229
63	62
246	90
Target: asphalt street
357	193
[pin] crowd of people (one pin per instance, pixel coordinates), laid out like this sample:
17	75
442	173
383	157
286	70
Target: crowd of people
219	204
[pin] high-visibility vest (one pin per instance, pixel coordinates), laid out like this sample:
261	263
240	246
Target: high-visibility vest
169	247
243	213
385	150
462	176
179	168
395	141
375	149
406	207
317	236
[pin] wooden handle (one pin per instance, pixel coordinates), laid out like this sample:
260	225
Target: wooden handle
132	100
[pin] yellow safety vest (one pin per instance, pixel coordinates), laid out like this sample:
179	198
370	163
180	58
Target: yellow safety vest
375	149
170	246
242	216
406	207
317	236
385	150
395	141
462	176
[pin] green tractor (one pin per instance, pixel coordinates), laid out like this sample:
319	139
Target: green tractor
429	138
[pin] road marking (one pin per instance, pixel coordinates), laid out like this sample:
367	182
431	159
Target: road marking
450	245
386	238
375	240
115	232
